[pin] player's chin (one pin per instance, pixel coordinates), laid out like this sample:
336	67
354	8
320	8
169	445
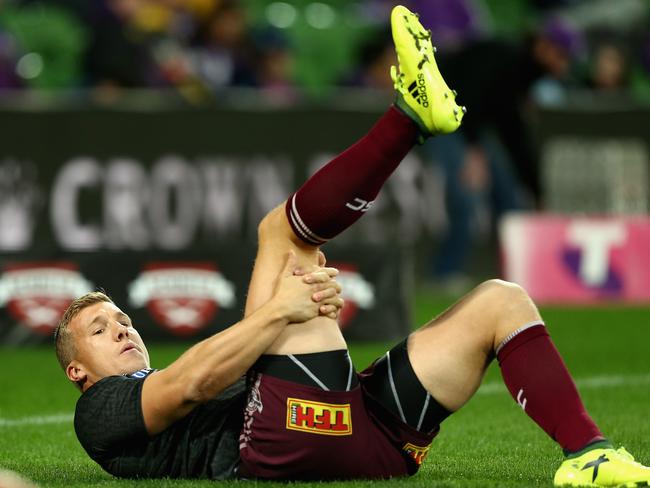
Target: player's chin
133	364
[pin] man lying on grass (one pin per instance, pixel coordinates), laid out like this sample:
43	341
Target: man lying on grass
305	401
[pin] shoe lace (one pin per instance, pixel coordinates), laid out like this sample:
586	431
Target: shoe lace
398	80
622	453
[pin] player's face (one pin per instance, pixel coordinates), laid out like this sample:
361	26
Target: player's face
106	343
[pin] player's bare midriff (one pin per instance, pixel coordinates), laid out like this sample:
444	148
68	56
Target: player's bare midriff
317	335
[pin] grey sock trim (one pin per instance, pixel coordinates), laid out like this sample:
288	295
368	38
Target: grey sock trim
513	334
308	372
305	231
392	387
424	409
347	388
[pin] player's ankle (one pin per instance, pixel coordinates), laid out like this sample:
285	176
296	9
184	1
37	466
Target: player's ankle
403	108
597	444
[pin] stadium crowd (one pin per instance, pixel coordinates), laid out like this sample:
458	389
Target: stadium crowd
254	43
499	54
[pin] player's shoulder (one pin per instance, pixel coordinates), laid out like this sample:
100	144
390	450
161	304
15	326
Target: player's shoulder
113	401
114	384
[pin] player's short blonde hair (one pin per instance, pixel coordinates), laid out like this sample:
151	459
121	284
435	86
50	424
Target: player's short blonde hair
64	343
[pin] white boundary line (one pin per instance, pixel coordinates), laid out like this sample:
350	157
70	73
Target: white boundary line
589	383
59	418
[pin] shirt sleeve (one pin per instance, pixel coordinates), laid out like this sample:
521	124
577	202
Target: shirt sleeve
109	416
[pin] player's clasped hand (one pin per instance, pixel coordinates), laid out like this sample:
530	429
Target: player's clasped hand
308	294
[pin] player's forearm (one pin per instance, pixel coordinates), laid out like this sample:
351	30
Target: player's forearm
209	367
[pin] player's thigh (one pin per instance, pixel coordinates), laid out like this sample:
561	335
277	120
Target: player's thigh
275	240
450	354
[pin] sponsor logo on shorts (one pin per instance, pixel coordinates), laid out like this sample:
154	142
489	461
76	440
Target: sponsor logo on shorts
37	294
183	297
319	418
418	453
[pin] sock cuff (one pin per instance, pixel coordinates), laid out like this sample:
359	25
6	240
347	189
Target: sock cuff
597	443
298	225
519	337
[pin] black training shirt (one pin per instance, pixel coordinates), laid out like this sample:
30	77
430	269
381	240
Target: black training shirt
204	444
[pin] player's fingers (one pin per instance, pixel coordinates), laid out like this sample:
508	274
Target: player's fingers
327	309
337	302
331	271
331	313
324	294
322	260
333	285
320	276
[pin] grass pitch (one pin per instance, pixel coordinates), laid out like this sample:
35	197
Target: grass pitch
489	443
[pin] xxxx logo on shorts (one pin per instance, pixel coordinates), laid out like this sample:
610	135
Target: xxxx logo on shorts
358	293
37	294
183	297
418	453
319	418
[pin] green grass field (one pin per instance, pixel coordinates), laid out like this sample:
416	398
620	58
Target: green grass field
490	442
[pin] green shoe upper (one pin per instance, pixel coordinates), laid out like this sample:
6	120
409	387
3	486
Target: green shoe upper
422	93
603	467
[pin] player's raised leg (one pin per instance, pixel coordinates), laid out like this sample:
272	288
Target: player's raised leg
498	319
344	189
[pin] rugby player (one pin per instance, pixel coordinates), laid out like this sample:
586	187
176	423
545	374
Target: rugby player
305	401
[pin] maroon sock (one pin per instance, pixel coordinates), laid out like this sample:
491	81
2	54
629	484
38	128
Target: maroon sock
540	382
340	192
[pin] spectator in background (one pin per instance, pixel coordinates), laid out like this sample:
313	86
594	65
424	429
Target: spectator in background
495	79
224	54
119	55
374	59
275	66
609	68
453	23
641	78
8	58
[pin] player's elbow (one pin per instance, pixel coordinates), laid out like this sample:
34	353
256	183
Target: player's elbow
202	387
194	391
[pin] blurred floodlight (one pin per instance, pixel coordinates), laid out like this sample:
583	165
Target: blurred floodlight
320	15
30	66
281	15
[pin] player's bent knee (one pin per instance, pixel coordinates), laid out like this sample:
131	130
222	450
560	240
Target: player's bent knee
503	293
275	227
503	290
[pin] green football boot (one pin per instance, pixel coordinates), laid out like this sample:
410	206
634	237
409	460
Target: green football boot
421	91
603	467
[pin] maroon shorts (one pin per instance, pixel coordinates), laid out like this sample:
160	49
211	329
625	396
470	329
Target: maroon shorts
298	432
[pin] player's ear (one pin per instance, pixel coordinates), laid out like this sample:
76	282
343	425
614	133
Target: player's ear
76	372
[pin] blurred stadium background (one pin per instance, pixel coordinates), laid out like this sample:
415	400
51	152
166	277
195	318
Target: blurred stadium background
142	140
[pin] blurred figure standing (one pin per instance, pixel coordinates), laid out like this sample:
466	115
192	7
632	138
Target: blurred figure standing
495	79
609	68
224	54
